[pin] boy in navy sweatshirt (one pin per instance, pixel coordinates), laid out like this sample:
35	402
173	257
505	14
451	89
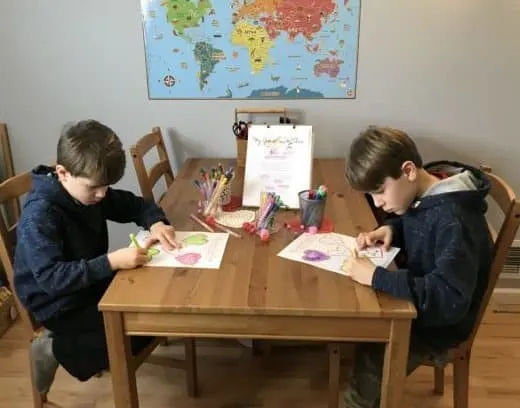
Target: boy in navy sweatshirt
62	267
439	223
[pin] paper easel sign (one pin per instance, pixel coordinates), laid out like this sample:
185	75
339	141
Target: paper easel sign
279	160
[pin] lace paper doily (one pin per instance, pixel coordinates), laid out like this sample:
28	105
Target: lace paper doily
235	219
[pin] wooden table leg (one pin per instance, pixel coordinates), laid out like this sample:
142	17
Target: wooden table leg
191	367
396	360
334	374
120	356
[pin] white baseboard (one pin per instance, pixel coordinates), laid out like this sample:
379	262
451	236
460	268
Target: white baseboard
507	296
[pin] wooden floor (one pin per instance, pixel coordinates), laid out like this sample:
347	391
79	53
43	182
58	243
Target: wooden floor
230	377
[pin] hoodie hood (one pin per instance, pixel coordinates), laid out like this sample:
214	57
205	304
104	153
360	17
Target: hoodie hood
45	186
459	184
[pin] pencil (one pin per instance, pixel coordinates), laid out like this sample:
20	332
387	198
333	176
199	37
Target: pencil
201	223
235	234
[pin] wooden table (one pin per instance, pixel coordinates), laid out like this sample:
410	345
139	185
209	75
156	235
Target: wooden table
256	294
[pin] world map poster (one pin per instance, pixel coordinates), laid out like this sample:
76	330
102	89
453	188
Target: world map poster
257	49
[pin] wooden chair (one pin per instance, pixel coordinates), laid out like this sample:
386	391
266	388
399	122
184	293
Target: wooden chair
8	169
10	190
459	356
148	179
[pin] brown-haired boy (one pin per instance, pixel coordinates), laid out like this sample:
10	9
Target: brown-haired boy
440	226
62	267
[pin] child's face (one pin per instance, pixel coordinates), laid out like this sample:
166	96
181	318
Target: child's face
396	195
82	189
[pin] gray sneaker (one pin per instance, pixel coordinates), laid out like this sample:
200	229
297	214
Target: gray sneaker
44	364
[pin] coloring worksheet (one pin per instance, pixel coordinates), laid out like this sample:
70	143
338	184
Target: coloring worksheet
199	250
329	251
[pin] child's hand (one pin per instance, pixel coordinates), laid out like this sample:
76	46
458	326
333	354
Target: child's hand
127	258
165	234
361	269
382	234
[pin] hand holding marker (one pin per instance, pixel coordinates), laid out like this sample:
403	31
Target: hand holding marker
151	251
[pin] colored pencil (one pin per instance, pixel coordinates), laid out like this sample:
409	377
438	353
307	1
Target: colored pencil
201	223
221	227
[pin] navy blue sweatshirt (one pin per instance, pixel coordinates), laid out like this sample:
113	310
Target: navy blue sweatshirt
61	253
448	251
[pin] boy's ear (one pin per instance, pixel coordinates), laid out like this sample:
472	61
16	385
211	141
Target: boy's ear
61	172
409	170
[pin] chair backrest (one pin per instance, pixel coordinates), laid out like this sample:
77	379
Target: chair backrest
12	209
505	198
11	189
148	179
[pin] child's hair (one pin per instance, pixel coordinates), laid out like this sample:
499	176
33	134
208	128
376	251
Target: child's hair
92	150
378	153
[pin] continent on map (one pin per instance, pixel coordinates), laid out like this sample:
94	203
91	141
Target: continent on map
256	40
182	14
327	66
207	57
294	17
256	8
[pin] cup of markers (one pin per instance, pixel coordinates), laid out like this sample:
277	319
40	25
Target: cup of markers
265	224
214	186
312	207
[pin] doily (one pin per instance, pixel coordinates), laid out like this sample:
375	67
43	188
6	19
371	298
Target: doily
235	219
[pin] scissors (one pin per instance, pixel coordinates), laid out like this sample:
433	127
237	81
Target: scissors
240	130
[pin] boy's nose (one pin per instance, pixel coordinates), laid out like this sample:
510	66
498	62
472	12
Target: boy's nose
378	202
100	193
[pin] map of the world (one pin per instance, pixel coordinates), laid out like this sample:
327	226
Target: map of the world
258	49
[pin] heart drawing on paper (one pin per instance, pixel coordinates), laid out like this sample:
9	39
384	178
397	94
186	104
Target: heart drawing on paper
196	239
190	258
314	255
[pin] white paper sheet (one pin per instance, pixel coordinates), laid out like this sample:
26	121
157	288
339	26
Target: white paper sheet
199	250
279	160
329	251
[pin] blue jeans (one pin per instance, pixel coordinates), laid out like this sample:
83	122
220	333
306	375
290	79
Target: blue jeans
364	384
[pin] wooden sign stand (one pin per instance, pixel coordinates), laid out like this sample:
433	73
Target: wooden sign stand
242	143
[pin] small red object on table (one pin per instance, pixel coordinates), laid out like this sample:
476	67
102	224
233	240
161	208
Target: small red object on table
295	225
234	205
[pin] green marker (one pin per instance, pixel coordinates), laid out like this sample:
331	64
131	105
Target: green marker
133	239
151	251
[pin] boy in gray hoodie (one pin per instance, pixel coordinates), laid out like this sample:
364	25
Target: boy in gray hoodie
440	225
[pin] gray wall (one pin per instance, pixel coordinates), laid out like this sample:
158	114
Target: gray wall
444	70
